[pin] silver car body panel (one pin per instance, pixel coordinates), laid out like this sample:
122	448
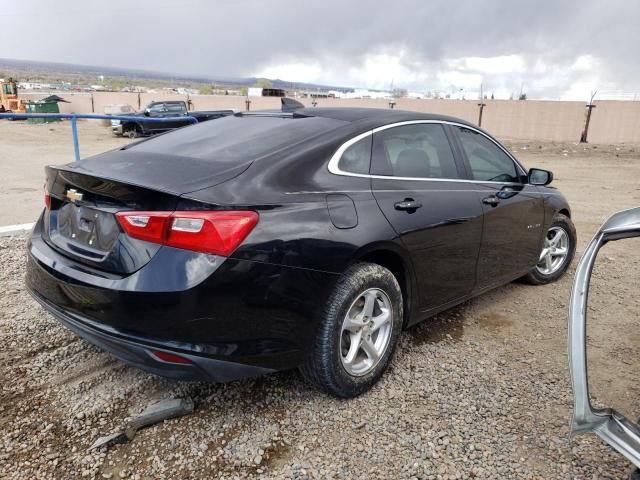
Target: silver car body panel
611	426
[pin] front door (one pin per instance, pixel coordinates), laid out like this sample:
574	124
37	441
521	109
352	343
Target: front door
156	110
177	112
416	182
513	210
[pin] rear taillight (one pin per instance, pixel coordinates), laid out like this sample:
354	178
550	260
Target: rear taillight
149	226
217	232
47	197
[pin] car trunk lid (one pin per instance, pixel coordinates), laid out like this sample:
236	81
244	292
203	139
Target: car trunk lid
168	173
81	221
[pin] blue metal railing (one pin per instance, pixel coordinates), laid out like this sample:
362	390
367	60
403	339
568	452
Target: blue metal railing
75	116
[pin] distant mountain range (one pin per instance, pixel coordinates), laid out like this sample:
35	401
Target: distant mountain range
66	68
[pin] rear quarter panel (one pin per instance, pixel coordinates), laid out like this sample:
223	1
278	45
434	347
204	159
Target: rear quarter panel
295	229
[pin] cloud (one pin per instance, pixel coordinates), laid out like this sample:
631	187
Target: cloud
551	49
503	64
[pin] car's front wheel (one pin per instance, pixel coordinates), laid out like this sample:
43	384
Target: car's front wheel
557	251
358	331
133	132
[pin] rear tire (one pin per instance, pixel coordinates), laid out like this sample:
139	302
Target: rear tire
358	330
552	266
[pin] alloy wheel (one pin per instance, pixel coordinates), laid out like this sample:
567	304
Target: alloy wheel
554	252
366	331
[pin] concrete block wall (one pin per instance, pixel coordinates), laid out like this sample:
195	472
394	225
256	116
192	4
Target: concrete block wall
533	120
102	99
611	121
464	109
78	102
615	122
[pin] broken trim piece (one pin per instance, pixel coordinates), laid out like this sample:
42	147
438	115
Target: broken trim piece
154	413
611	426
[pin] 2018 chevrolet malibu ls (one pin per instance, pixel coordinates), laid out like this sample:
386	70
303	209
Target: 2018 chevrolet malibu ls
262	242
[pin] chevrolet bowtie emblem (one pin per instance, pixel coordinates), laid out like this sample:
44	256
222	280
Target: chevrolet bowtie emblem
73	195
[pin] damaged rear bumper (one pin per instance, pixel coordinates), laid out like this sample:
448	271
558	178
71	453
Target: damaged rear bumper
611	426
146	354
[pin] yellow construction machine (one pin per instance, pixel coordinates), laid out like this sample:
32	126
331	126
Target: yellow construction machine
9	101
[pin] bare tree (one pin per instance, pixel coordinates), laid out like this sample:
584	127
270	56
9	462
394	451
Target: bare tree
587	120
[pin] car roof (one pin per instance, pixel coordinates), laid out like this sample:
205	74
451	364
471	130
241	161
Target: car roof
380	116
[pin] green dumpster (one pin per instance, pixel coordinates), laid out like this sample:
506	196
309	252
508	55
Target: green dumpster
42	107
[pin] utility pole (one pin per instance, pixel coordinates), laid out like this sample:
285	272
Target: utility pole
590	106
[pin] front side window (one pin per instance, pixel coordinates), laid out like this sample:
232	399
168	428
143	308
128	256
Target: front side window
420	150
487	162
156	108
357	157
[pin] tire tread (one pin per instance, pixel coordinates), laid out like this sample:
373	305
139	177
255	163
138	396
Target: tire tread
319	368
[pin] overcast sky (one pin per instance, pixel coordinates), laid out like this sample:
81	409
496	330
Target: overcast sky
551	49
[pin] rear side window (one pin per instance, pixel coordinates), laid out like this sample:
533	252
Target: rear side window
487	162
421	150
357	157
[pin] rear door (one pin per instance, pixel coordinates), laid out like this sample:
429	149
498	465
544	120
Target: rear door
513	209
416	182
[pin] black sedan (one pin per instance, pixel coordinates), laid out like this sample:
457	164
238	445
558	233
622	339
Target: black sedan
268	241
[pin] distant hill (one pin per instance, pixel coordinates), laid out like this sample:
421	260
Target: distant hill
34	67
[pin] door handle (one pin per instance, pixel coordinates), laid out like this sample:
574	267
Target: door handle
408	204
491	200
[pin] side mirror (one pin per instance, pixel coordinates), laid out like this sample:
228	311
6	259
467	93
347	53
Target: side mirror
147	112
537	176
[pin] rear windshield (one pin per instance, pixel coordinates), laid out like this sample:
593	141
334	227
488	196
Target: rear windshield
237	139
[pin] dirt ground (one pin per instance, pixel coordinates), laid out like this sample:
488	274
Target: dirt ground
481	391
27	149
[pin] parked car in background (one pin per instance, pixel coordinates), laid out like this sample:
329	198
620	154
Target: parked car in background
611	426
175	109
266	241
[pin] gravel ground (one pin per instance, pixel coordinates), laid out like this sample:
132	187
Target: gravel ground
481	391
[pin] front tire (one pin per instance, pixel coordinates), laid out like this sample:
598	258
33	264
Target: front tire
557	252
133	132
358	332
